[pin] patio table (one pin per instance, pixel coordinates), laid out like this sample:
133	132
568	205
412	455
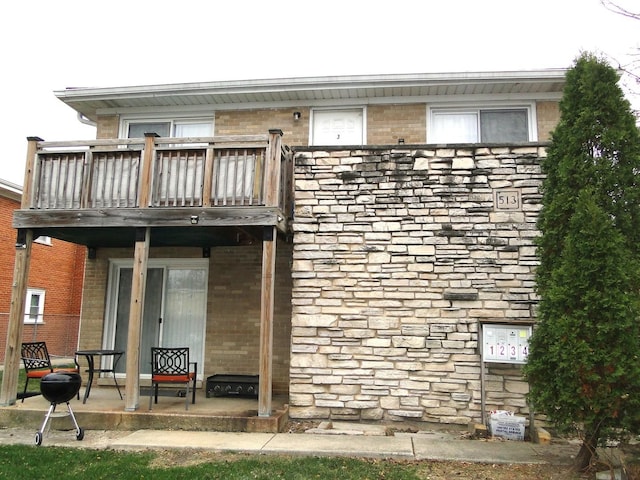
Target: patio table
90	356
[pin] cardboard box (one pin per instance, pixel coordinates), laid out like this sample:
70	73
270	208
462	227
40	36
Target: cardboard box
505	424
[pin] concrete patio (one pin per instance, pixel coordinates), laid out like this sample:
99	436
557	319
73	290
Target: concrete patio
104	410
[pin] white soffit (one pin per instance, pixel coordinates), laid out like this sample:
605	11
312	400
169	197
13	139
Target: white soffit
311	91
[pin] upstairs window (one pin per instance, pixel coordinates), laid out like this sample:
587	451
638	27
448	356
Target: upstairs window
480	125
169	128
137	130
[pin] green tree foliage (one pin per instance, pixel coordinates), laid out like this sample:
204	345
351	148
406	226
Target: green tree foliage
583	366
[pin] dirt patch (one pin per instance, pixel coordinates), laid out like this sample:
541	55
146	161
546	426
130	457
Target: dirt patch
425	469
300	426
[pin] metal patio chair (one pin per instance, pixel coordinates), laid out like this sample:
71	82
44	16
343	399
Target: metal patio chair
172	365
37	363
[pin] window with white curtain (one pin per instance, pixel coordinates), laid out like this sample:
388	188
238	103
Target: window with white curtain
180	128
34	307
481	125
192	129
179	175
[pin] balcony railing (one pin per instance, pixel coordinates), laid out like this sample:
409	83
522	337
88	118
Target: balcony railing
158	172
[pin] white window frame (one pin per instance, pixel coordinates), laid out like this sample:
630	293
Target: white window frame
530	107
44	240
363	109
172	120
28	318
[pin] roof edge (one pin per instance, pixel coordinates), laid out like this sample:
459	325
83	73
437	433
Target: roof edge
304	83
10	190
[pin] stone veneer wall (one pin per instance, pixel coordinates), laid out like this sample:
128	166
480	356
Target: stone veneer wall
399	256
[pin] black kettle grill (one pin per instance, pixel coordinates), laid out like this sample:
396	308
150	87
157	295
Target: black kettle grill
57	388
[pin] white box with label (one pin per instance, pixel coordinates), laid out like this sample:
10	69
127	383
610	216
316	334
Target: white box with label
504	424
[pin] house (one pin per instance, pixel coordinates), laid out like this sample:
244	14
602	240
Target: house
54	285
355	241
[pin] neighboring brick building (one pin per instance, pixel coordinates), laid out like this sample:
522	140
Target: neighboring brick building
55	276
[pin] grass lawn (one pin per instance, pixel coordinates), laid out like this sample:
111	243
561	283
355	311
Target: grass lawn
57	462
20	461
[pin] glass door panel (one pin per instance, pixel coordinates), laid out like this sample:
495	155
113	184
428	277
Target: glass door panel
184	318
150	320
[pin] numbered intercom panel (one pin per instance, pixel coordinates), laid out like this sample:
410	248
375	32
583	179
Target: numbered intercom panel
505	343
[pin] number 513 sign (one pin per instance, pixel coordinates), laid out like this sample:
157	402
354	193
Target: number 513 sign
505	343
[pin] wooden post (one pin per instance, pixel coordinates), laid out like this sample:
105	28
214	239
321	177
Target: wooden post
29	171
272	169
266	321
139	281
207	186
138	284
8	392
271	189
144	188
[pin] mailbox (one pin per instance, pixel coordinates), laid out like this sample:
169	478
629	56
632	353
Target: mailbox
505	343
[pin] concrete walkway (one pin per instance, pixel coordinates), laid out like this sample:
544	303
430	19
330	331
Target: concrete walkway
416	446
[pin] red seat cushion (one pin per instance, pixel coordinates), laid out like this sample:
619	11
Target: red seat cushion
172	378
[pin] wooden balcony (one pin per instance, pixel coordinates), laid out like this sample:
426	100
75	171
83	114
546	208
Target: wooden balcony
190	191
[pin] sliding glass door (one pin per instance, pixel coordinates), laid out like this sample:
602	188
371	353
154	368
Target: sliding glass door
174	308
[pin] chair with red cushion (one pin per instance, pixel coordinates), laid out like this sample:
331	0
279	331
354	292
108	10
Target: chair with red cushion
172	365
37	363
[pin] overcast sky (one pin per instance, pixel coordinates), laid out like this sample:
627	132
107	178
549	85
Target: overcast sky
51	45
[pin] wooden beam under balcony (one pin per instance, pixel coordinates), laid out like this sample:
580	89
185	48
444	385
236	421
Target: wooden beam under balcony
152	217
196	227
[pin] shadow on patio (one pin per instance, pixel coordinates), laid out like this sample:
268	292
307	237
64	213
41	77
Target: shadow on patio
105	411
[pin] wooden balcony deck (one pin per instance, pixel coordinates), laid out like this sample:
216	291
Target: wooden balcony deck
141	193
194	191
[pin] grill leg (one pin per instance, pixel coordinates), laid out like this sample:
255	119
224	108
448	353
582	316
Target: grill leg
79	429
73	417
40	433
52	408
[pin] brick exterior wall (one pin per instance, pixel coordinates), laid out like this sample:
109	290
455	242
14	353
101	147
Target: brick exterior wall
386	124
254	122
233	307
398	257
108	126
548	114
58	270
233	329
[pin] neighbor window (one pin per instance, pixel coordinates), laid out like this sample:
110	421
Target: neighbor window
34	308
480	125
44	240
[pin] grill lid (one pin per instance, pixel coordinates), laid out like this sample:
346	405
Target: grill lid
60	387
